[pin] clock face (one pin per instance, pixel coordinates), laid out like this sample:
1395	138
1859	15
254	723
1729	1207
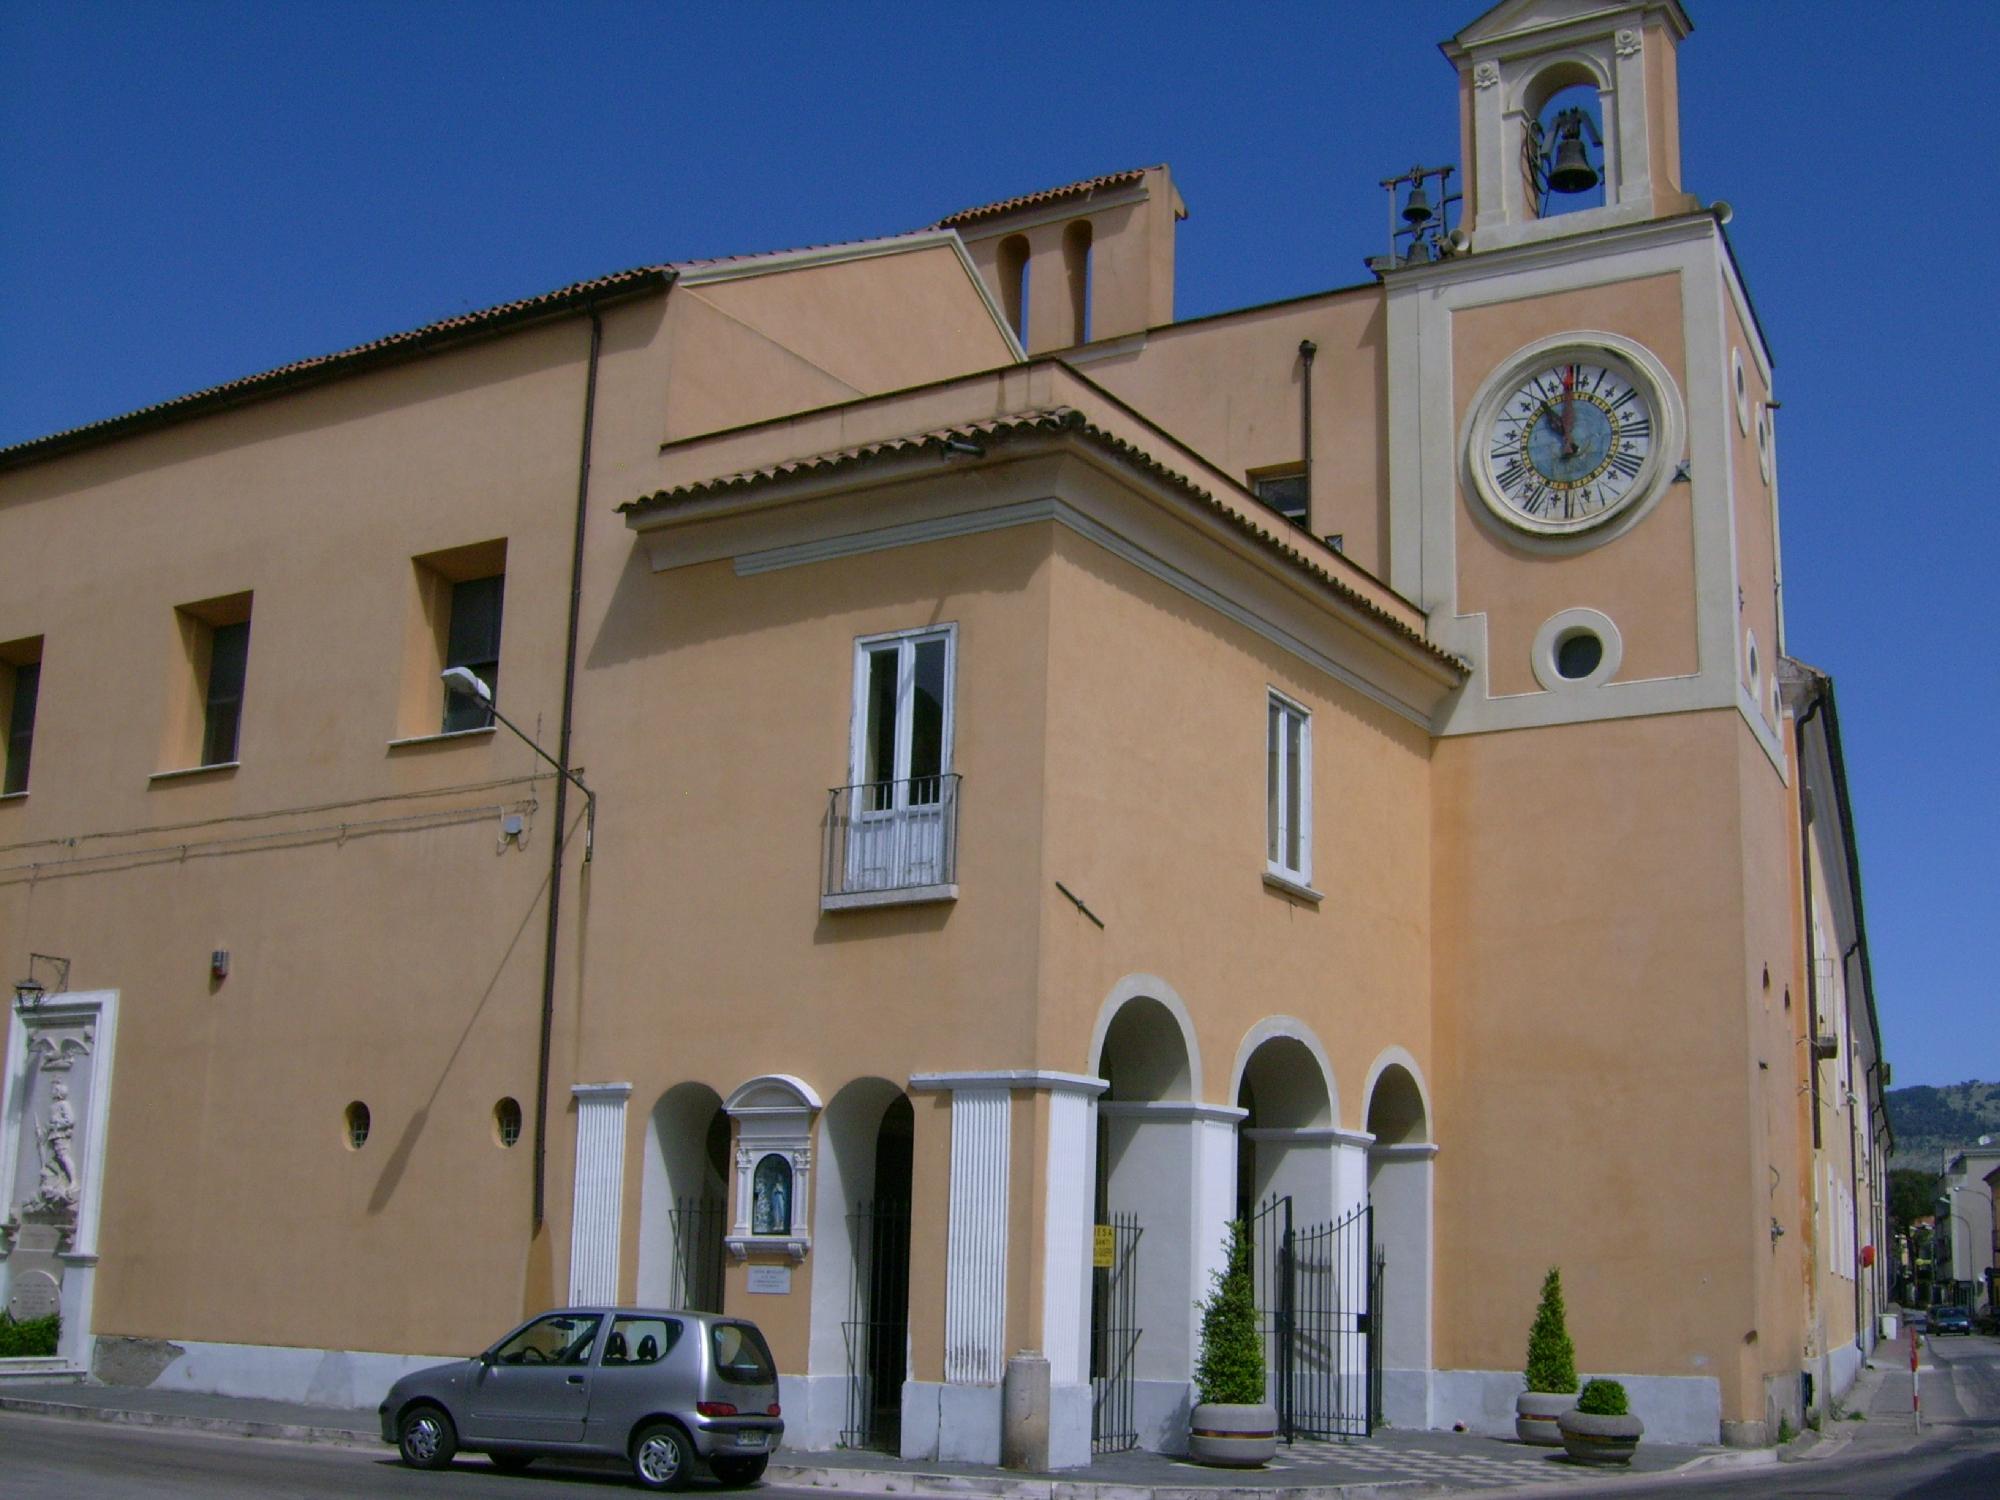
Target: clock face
1567	447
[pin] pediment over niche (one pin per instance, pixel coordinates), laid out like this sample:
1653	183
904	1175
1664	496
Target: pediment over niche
772	1093
1513	18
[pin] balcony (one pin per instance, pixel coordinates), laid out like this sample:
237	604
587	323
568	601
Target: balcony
890	843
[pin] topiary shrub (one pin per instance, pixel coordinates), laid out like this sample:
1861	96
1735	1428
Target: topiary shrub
1230	1370
1603	1398
35	1339
1551	1356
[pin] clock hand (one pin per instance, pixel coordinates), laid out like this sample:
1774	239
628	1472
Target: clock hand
1569	412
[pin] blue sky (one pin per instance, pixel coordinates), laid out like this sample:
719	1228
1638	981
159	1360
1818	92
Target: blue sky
191	192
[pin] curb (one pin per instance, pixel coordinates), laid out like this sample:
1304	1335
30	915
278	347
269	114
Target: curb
1000	1487
290	1432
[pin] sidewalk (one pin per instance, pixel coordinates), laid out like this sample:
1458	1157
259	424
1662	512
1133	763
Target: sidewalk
1392	1463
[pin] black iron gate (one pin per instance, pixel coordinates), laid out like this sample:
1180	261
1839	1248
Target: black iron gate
1318	1291
697	1227
877	1329
1114	1338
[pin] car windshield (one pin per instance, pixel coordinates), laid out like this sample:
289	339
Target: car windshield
740	1354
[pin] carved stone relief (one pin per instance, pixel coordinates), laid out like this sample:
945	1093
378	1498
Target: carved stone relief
1627	42
1486	76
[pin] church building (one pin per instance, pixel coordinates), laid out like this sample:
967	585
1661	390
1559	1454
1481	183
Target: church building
896	789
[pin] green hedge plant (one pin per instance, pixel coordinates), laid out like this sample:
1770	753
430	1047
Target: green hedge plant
1603	1398
1551	1356
1230	1370
35	1339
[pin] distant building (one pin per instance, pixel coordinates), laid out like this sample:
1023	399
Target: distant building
1059	779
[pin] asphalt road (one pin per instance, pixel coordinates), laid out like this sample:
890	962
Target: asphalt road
1958	1458
41	1456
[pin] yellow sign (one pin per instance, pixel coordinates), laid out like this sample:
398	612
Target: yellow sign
1103	1247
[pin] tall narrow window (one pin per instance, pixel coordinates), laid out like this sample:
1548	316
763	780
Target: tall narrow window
1288	790
473	642
21	695
900	813
222	712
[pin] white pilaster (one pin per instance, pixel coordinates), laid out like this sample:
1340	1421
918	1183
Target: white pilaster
975	1301
596	1211
1066	1268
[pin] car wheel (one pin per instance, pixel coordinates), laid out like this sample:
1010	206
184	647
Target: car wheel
738	1472
426	1438
662	1457
511	1463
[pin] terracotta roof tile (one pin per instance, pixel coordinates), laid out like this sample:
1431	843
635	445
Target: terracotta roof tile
321	366
1047	195
1052	419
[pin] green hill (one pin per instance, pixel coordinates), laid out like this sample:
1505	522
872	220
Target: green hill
1931	1121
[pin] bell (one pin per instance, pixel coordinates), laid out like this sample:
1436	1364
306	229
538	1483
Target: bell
1572	171
1418	209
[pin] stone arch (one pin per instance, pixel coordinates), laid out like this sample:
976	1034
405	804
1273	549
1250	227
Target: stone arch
683	1195
1143	1040
1289	1143
1411	1083
1012	272
1562	70
1399	1188
1076	246
850	1163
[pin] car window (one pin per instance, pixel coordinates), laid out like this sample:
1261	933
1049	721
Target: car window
740	1354
559	1339
640	1341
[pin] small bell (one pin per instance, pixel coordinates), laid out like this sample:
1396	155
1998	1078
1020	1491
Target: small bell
1417	210
1571	171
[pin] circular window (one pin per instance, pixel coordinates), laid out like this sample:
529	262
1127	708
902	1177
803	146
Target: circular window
357	1125
1742	391
507	1121
1578	654
1764	444
1752	664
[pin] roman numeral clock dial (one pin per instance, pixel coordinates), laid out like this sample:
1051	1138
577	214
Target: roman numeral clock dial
1567	438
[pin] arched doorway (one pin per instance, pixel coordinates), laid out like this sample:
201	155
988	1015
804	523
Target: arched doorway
683	1193
1399	1187
861	1277
1285	1145
1165	1181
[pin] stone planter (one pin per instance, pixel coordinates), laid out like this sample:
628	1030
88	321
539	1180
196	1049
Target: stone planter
1600	1440
1535	1414
1233	1437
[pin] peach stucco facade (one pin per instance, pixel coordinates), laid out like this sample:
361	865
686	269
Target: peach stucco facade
998	832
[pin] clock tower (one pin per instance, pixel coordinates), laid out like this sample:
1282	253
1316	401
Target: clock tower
1583	499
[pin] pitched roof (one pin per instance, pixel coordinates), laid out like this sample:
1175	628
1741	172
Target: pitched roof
1042	420
392	347
1046	195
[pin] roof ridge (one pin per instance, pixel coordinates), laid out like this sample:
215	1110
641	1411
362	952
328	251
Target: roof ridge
1045	195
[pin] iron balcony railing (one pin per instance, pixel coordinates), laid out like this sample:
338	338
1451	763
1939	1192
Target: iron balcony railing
887	836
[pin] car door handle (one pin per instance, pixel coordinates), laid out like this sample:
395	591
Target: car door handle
576	1380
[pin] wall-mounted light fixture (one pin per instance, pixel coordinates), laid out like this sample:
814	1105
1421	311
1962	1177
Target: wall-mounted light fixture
31	990
465	680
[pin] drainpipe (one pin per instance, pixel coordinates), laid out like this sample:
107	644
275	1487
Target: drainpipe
1812	970
1307	349
562	765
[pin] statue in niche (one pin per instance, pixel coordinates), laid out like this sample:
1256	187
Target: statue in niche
770	1197
53	1138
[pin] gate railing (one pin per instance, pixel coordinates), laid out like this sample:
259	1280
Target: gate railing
877	1330
1114	1341
1317	1292
697	1230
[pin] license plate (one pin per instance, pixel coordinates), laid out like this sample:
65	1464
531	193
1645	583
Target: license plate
749	1439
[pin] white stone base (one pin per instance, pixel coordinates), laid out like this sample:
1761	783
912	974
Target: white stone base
1160	1412
960	1423
1069	1426
1843	1366
317	1377
815	1410
1406	1399
1675	1408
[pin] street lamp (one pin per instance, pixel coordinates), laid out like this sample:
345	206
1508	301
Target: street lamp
464	680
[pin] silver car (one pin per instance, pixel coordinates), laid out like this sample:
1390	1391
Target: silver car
666	1390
